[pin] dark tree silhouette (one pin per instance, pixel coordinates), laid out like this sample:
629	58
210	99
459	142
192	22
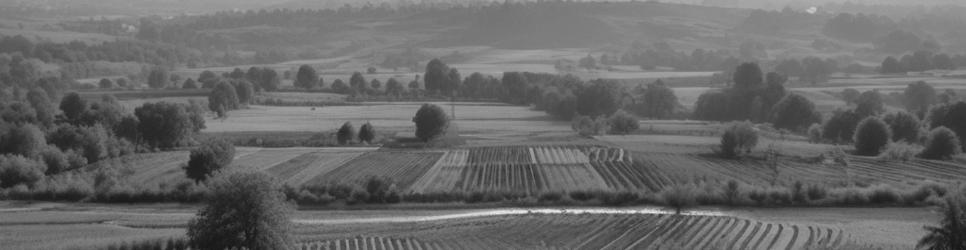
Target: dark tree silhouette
367	133
431	122
306	78
872	135
942	144
346	133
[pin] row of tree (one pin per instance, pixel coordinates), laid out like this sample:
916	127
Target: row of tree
921	61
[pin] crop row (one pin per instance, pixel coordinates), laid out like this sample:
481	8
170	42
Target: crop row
403	168
370	243
658	231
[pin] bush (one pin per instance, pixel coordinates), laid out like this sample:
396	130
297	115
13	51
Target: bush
622	123
900	151
872	135
346	133
732	193
942	144
209	158
431	122
738	139
581	195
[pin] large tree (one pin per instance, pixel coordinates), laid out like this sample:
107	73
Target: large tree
223	98
601	98
358	83
872	135
516	85
73	106
431	122
166	125
794	112
951	232
869	103
919	97
748	77
306	78
159	78
437	76
244	210
658	101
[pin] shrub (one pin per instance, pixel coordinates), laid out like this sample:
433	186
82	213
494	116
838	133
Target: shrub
739	138
431	122
942	144
871	136
619	199
346	133
884	195
581	195
622	123
26	140
900	151
209	158
550	197
732	192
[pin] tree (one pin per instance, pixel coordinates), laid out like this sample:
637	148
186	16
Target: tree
658	101
891	65
166	125
950	116
375	85
269	79
44	109
904	126
790	67
712	106
371	70
944	62
919	97
738	139
346	133
679	198
431	122
339	86
223	98
394	88
26	140
942	144
817	70
748	77
951	231
841	126
437	75
600	99
367	133
306	78
794	112
73	106
159	78
209	158
516	85
872	135
586	126
358	83
246	92
105	84
16	169
208	79
622	123
245	210
850	96
189	84
454	82
869	103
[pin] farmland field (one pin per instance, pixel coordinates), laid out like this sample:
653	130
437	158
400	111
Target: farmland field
87	227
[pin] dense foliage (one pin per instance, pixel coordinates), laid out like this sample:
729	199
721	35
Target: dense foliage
243	211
